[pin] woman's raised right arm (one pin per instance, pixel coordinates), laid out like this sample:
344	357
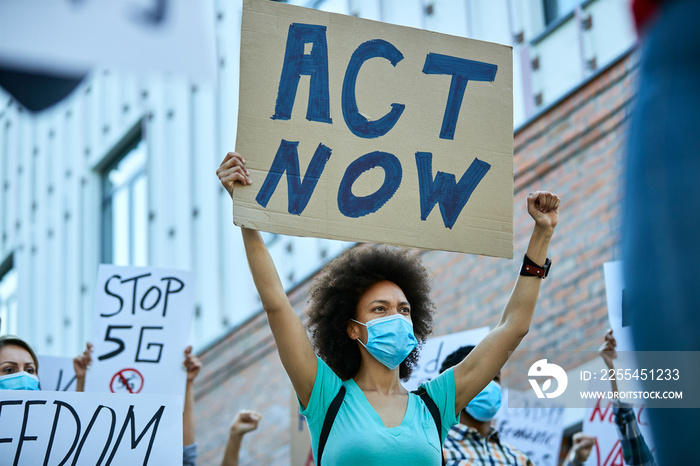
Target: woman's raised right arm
293	345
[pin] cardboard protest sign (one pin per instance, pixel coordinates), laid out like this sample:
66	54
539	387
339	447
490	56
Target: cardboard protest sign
56	373
357	130
599	422
44	427
535	430
141	327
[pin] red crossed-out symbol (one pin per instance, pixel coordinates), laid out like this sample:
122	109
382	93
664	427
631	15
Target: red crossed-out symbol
129	379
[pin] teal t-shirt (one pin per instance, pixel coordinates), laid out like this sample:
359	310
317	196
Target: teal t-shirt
359	437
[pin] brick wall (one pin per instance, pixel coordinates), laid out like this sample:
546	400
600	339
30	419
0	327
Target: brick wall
574	149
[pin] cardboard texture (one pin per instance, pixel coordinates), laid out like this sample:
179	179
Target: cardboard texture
333	85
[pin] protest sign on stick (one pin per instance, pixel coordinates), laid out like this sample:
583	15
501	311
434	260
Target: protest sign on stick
618	308
45	427
141	327
357	130
599	417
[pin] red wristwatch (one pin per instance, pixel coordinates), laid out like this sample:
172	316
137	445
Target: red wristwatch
530	269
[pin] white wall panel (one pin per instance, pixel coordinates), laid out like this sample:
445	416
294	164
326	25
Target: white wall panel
73	155
178	131
24	201
9	147
490	21
56	191
560	62
448	17
612	31
205	193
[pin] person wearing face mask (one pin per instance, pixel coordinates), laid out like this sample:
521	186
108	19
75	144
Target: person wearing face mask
474	441
369	312
19	366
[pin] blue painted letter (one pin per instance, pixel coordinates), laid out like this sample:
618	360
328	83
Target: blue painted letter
354	206
359	125
298	192
297	63
462	72
451	196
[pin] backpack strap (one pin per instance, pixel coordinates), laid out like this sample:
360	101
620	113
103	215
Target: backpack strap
435	412
328	422
338	400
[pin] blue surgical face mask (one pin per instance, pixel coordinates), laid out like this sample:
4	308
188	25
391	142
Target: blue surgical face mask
486	404
19	381
389	339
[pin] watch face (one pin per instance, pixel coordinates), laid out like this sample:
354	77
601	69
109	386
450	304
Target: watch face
547	265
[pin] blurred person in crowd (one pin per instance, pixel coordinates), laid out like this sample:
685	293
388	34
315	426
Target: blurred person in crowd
244	422
634	449
189	448
80	366
661	218
369	310
19	366
474	440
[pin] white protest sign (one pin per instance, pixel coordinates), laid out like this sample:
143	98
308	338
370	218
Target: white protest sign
141	327
56	373
85	429
619	323
599	418
599	421
617	310
357	130
435	351
72	37
535	430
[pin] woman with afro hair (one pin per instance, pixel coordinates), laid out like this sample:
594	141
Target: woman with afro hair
369	312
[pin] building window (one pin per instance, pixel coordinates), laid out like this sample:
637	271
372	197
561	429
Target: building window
124	207
8	298
555	9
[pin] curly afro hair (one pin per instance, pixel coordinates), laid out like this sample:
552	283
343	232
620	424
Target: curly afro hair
334	296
